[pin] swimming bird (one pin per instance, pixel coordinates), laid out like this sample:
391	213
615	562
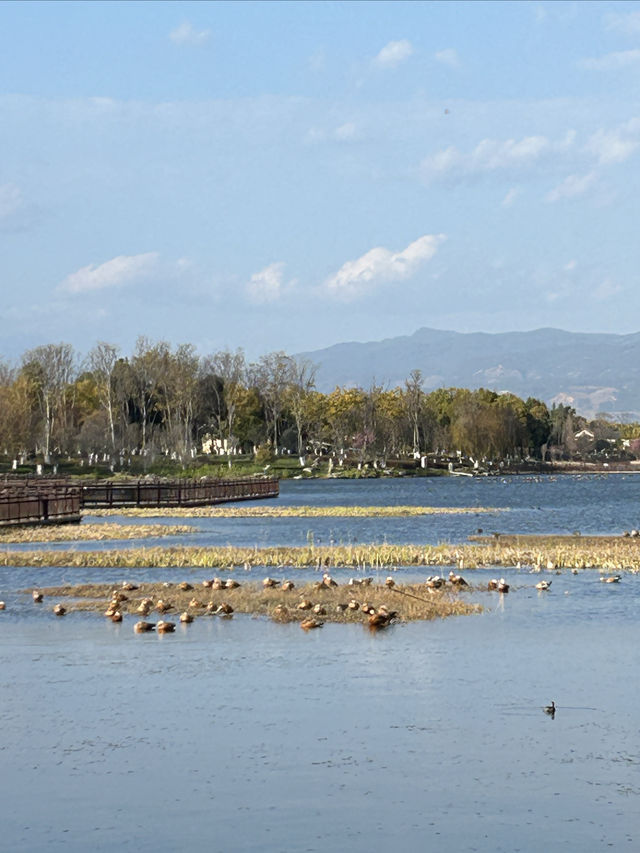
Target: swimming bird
2	605
493	584
224	609
611	579
503	586
186	618
143	627
37	596
116	616
457	580
59	609
550	709
165	627
543	585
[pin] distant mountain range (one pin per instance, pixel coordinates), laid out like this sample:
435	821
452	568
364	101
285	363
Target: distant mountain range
591	372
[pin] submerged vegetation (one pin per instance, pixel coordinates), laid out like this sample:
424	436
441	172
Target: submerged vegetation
537	553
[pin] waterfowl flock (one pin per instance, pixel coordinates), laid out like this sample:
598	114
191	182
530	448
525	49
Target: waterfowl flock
316	601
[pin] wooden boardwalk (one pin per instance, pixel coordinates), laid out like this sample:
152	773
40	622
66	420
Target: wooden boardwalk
49	501
178	492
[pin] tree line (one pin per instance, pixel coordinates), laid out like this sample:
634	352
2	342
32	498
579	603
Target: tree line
169	400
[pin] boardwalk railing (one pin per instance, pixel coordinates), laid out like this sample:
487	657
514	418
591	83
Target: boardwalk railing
46	503
177	492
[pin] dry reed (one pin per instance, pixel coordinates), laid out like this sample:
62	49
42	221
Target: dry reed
607	553
85	532
292	511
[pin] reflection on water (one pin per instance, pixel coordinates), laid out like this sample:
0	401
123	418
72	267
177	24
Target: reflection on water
251	736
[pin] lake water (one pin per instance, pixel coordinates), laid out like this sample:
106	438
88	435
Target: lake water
245	735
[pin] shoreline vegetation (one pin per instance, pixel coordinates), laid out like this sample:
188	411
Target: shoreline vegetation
327	603
533	553
287	511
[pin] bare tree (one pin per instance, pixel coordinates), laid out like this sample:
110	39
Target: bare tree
51	367
303	375
102	361
272	376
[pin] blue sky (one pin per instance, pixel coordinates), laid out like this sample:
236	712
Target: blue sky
293	175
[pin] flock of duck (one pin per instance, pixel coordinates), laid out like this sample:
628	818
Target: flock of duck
377	617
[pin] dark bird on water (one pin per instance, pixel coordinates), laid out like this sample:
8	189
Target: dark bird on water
550	709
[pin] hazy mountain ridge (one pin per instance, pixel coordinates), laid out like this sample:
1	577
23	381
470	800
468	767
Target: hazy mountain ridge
592	372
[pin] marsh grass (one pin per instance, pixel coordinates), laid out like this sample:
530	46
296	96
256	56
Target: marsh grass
412	601
608	553
86	532
292	511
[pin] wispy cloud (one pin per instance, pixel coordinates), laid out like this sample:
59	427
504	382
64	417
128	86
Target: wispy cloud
186	33
347	132
491	155
380	266
605	290
572	187
16	214
449	57
612	61
118	272
269	285
510	197
627	24
393	54
614	146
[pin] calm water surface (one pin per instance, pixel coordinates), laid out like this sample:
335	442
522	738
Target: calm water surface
244	735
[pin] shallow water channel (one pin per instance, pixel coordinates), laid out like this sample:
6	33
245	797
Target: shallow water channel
246	735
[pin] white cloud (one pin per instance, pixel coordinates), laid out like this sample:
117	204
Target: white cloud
510	197
13	207
612	61
490	155
605	290
120	271
380	266
572	187
268	284
345	131
393	54
448	57
628	24
186	33
613	146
